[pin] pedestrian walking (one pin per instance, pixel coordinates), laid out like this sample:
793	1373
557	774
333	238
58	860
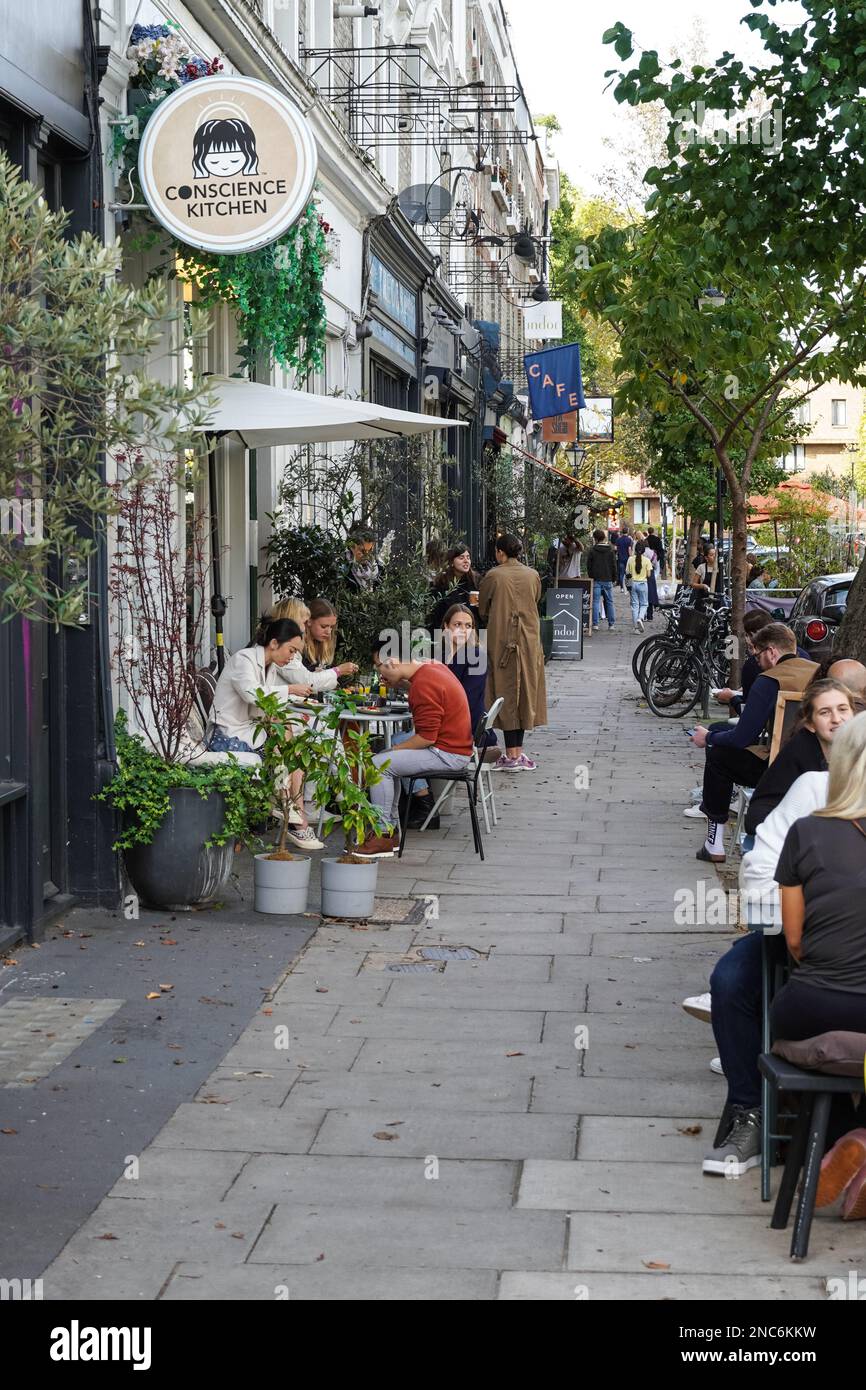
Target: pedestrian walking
638	570
508	602
657	545
652	588
624	547
602	570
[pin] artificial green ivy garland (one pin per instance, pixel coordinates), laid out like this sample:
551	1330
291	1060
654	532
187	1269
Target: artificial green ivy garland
276	291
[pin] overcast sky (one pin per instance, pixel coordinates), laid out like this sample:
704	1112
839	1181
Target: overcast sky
562	60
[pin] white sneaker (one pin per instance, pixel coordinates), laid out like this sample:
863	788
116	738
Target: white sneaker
699	1006
304	838
695	812
716	1066
639	625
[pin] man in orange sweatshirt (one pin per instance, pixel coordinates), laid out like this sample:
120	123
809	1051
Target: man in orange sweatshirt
441	741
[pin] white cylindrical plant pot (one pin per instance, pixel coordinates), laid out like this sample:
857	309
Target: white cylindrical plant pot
282	885
348	890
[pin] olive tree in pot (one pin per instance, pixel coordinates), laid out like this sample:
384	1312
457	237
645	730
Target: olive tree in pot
291	751
349	883
181	808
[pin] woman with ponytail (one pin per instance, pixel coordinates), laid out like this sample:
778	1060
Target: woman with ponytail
638	570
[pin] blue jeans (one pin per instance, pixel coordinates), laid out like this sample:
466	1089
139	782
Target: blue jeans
735	986
602	589
639	597
620	572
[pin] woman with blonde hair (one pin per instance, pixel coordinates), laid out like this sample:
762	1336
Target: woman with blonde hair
822	885
314	665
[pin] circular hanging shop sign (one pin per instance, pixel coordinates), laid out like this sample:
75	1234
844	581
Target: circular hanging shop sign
227	164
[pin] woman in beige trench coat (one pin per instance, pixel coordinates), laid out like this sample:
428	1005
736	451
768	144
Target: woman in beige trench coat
508	600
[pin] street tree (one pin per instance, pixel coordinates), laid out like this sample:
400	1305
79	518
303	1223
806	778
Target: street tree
764	206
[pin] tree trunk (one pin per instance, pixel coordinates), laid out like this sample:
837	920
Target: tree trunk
851	636
695	528
739	531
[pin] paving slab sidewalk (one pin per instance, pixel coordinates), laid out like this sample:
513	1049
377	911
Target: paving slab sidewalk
525	1125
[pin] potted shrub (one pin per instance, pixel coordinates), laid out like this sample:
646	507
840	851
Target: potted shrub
349	883
179	822
281	878
181	808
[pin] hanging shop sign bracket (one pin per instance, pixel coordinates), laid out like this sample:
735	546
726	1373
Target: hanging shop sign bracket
393	95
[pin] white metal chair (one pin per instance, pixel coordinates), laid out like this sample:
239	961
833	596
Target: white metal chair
745	796
485	775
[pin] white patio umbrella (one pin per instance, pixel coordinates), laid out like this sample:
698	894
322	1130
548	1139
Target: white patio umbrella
260	417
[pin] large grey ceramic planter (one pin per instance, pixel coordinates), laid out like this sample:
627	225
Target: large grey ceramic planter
176	870
348	890
281	885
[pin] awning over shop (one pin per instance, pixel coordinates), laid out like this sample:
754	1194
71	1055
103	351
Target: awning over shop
261	416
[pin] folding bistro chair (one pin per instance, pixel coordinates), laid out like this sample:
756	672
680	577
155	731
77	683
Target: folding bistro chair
468	776
485	780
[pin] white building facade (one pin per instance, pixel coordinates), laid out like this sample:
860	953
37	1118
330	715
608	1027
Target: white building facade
437	193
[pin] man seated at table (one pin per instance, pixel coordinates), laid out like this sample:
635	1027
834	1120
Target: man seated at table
736	754
441	742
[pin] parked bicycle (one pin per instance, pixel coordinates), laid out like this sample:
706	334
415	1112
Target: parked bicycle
678	668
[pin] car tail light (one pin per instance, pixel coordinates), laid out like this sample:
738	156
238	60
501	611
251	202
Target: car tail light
816	631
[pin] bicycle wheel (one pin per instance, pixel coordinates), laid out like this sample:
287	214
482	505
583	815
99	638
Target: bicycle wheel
719	665
641	653
650	650
673	684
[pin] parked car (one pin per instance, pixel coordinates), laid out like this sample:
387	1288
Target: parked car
818	610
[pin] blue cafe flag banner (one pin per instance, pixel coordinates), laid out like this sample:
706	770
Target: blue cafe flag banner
555	387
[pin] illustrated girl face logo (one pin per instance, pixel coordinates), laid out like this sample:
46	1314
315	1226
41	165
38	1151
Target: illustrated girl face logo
224	148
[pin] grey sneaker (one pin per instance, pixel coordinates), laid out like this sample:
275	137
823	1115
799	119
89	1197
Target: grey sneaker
741	1149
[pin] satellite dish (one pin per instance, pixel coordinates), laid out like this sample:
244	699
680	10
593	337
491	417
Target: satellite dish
425	203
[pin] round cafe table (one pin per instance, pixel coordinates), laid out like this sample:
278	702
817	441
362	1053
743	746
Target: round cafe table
389	719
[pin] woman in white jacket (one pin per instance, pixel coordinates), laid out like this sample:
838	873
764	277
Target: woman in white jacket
314	662
759	891
233	715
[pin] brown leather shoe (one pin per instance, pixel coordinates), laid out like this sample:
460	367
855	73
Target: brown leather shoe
378	847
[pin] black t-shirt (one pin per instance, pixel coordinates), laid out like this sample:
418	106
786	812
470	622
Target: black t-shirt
827	858
802	753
